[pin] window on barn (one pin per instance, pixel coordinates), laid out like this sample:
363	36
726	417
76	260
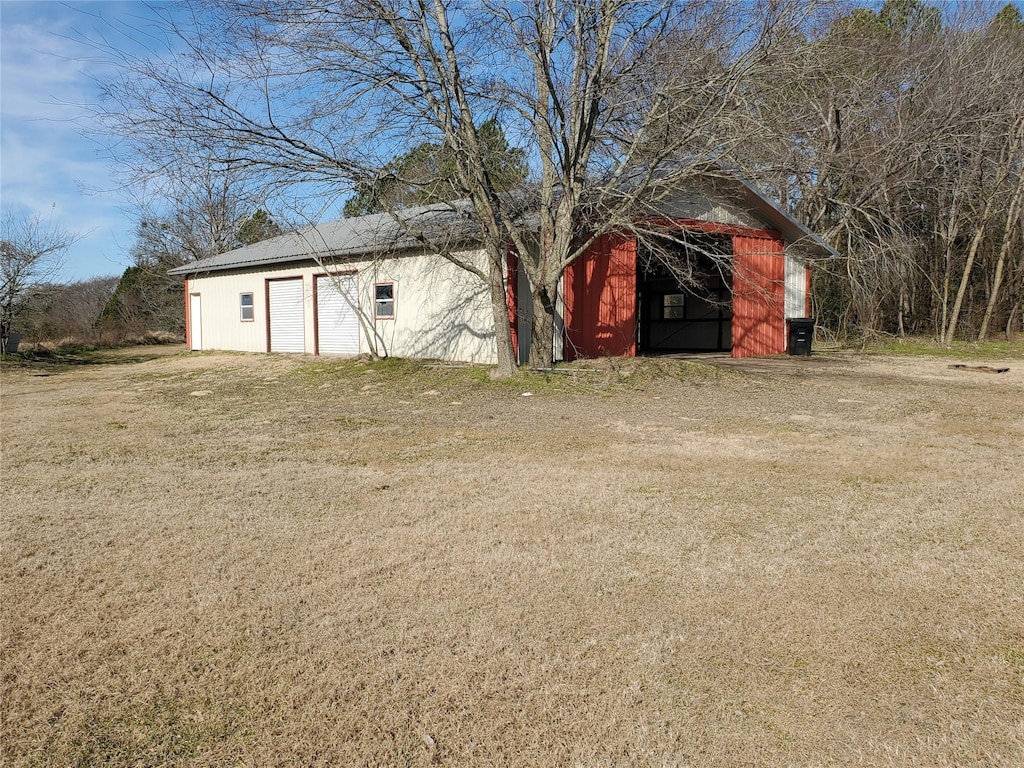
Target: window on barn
673	306
384	300
247	307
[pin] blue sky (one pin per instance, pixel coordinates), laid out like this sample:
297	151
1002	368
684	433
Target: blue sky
47	166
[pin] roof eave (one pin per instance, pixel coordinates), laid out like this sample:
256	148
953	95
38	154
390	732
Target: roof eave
196	268
795	233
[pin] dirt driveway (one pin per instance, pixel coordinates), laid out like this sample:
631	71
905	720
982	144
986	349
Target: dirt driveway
225	559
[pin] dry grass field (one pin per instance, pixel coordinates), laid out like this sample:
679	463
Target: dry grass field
222	559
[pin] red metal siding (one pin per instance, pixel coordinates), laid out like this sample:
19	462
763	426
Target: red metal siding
600	300
758	297
512	298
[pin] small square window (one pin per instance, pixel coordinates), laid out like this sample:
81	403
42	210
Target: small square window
673	306
248	311
384	300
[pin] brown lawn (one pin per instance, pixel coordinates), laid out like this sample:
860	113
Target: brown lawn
219	559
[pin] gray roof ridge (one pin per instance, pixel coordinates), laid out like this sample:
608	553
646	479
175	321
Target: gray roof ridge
792	221
372	233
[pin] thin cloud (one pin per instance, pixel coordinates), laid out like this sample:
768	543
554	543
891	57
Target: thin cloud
50	58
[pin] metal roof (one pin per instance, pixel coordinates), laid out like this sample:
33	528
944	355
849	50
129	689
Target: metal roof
388	233
377	234
794	233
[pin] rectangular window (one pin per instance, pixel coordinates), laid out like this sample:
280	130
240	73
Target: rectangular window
247	307
673	306
384	300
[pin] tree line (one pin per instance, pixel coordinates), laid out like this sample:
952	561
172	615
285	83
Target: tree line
900	138
206	216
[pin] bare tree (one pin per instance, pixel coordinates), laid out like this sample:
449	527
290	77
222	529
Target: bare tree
188	213
1012	233
326	94
67	310
1005	42
31	254
896	141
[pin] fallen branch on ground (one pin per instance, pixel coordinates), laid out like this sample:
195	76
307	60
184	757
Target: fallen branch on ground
981	368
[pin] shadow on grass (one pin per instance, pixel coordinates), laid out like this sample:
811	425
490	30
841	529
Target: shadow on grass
44	359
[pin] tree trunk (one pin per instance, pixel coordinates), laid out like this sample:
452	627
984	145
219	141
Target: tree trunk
944	298
997	281
949	237
902	303
542	335
502	327
1008	235
954	315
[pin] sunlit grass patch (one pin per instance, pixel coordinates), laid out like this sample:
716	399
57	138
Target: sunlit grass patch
163	730
970	350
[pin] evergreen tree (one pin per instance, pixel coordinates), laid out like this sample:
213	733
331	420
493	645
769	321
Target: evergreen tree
428	174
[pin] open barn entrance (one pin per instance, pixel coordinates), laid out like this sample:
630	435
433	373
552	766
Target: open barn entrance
684	300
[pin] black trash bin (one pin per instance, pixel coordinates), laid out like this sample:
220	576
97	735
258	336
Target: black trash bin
801	334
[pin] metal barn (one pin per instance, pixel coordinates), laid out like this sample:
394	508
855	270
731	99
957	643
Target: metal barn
363	284
751	275
617	303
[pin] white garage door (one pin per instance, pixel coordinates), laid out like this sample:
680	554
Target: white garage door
287	319
337	325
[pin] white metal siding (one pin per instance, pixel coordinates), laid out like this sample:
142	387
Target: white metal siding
441	311
796	287
706	206
336	321
287	319
195	327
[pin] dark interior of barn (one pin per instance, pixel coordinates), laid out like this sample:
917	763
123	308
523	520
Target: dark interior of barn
684	301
